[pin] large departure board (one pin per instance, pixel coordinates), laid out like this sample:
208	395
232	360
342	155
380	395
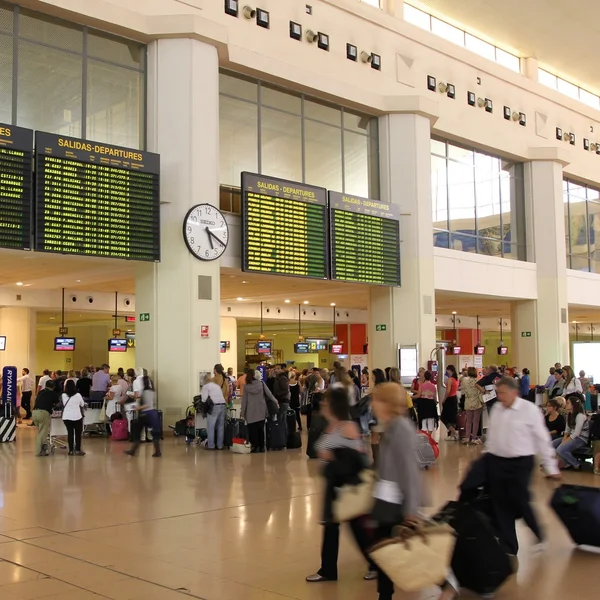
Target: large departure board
365	240
16	154
96	200
284	227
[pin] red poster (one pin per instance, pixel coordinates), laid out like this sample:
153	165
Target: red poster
204	331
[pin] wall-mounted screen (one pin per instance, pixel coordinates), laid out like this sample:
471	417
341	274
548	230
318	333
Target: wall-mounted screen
479	350
284	227
336	349
223	347
301	348
2	343
96	200
64	344
117	345
502	350
317	345
365	240
454	350
263	347
16	155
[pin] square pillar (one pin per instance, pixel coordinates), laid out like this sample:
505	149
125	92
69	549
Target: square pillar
408	312
19	327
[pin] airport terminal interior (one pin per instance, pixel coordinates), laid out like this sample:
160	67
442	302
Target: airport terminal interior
363	183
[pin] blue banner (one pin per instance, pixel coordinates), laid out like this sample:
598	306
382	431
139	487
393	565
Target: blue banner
9	385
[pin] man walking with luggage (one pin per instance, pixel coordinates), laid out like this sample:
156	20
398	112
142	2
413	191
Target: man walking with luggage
516	434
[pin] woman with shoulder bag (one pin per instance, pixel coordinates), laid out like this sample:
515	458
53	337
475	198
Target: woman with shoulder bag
73	406
343	453
214	406
147	414
255	400
221	379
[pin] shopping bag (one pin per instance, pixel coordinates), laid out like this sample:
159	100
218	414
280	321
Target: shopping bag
240	446
415	559
353	501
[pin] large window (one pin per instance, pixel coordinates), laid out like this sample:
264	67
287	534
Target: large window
67	79
582	226
477	201
268	130
568	89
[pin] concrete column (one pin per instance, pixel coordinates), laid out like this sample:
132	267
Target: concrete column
19	327
407	312
181	293
529	67
393	7
548	319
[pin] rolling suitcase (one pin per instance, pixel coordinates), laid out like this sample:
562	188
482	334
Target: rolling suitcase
8	424
461	424
276	434
578	507
120	432
291	421
317	427
427	450
479	562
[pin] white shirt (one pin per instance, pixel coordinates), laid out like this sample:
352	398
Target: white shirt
26	383
214	391
520	431
574	386
43	380
138	385
72	407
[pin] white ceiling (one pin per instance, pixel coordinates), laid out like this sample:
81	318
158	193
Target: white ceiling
558	33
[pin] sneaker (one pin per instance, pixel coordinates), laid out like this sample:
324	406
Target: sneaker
478	441
316	578
370	575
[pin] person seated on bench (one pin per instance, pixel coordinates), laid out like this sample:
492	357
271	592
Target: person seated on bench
555	422
577	433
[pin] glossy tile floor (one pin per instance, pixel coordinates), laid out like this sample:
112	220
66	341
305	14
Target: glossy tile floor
212	525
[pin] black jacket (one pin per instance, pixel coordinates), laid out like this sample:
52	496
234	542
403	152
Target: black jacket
47	400
281	388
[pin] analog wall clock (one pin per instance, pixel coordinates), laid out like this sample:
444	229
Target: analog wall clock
205	232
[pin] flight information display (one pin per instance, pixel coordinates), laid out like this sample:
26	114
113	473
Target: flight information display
284	227
96	200
365	240
16	155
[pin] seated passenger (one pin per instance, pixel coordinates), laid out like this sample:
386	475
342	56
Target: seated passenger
555	422
577	433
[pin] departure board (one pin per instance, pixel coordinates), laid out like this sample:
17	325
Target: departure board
96	200
365	240
284	227
16	154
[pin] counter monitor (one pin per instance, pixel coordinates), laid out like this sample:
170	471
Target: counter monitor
16	155
96	200
284	227
117	345
301	348
365	240
64	344
263	348
2	343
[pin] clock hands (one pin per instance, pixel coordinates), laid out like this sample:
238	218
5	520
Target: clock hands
212	246
211	235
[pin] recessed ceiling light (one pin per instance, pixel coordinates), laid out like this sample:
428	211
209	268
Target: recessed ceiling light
453	312
306	302
78	281
332	304
287	301
52	318
249	334
19	283
239	299
245	282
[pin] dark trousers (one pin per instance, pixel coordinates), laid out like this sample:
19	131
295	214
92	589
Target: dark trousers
26	403
508	480
331	546
298	417
256	433
74	431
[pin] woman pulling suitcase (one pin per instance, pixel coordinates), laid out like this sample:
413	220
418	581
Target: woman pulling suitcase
145	397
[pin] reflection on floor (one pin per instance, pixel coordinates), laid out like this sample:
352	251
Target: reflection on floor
215	526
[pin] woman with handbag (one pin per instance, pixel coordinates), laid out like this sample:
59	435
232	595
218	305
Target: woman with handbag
72	416
399	492
258	403
147	414
342	450
214	406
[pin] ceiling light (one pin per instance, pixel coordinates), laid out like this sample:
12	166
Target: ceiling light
19	283
78	281
249	334
332	304
52	318
245	282
453	312
239	299
306	302
287	301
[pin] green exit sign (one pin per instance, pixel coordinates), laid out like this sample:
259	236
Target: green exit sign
144	317
525	333
380	327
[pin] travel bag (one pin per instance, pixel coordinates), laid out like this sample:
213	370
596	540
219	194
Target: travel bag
578	507
241	446
119	429
427	450
291	421
317	427
8	424
461	424
478	562
276	434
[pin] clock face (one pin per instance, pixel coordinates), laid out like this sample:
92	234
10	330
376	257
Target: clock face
205	232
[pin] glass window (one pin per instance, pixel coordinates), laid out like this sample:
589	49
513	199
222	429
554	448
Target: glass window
438	147
6	71
6	19
439	193
359	123
281	145
238	87
49	89
323	162
417	17
461	197
487	196
508	60
376	3
123	52
356	164
567	237
321	112
480	47
43	29
447	31
589	99
547	79
568	89
281	100
115	100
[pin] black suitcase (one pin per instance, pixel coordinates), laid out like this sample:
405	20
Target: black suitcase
317	426
291	421
276	434
294	440
578	507
479	562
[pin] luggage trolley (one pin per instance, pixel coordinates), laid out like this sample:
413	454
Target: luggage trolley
58	433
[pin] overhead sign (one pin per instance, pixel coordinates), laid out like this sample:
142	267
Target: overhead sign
365	240
16	156
284	227
63	331
95	199
116	332
117	345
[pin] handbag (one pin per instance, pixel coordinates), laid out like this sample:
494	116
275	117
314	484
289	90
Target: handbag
240	446
272	406
353	501
415	559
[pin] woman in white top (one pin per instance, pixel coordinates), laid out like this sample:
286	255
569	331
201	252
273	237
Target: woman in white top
572	384
114	397
577	433
72	416
215	420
